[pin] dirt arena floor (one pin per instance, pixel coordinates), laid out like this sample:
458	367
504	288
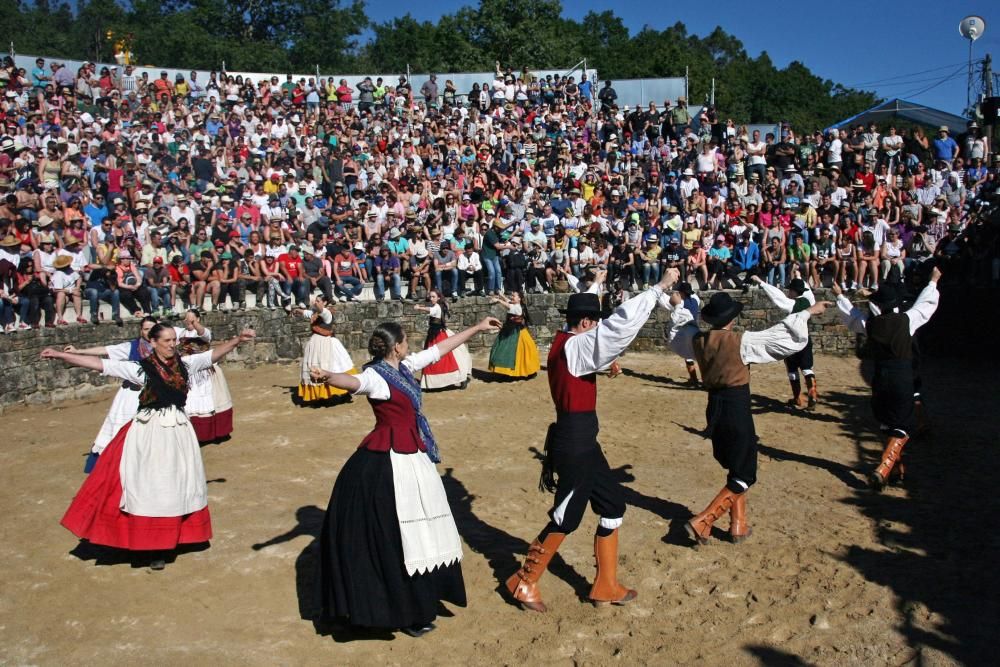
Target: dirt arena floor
833	575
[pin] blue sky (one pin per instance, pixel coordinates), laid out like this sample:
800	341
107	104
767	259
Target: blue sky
896	49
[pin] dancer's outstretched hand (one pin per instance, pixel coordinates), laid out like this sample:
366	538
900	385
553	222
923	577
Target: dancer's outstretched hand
317	374
935	274
669	279
247	335
819	307
490	324
51	353
836	289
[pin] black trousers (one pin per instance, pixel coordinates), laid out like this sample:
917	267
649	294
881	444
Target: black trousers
135	301
583	474
463	279
801	360
734	438
892	394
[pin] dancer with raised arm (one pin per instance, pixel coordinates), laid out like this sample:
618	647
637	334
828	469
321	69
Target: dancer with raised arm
389	550
454	368
889	344
322	350
724	357
209	403
575	467
126	401
514	353
800	297
147	492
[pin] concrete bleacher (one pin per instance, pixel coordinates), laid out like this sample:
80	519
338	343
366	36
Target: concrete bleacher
104	311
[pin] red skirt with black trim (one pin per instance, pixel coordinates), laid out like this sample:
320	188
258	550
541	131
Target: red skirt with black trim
95	516
214	427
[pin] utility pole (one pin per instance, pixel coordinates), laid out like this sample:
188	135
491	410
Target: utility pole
988	75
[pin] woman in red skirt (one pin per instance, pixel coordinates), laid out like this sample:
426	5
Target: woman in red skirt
147	491
454	368
209	405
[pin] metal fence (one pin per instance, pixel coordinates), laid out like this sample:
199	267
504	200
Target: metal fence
463	80
631	92
641	92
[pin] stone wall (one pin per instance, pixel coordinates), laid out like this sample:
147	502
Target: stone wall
25	378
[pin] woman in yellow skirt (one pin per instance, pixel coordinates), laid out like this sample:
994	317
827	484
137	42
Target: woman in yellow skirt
514	354
322	350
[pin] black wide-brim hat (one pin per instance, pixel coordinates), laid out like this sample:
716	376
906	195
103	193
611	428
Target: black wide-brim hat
584	304
721	309
887	296
798	286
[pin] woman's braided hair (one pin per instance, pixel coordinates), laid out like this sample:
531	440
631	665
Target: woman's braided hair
385	337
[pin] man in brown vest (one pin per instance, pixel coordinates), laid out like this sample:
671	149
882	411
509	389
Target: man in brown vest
724	357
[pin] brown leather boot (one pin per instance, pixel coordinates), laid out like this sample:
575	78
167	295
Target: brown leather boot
523	584
893	450
812	390
606	589
738	528
799	400
692	372
700	527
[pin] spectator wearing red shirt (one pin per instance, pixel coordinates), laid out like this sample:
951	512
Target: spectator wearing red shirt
290	265
345	273
246	207
180	279
866	177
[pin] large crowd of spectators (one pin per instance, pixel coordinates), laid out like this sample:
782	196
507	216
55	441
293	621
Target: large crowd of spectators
151	195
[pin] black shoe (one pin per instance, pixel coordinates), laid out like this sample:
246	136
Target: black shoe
94	319
157	564
418	630
118	321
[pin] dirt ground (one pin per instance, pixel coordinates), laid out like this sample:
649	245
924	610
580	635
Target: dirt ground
832	575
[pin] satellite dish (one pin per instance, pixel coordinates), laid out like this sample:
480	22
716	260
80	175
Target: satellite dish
972	27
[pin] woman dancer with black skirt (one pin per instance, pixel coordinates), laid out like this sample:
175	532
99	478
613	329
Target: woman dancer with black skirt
389	550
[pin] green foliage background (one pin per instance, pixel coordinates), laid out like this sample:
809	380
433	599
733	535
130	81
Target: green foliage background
281	36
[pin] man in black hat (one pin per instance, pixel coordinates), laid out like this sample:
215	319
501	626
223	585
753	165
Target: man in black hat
724	357
799	298
889	344
575	467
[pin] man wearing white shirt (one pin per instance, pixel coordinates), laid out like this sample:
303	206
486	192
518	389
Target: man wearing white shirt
838	195
575	467
470	266
756	160
889	344
724	357
688	184
183	209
